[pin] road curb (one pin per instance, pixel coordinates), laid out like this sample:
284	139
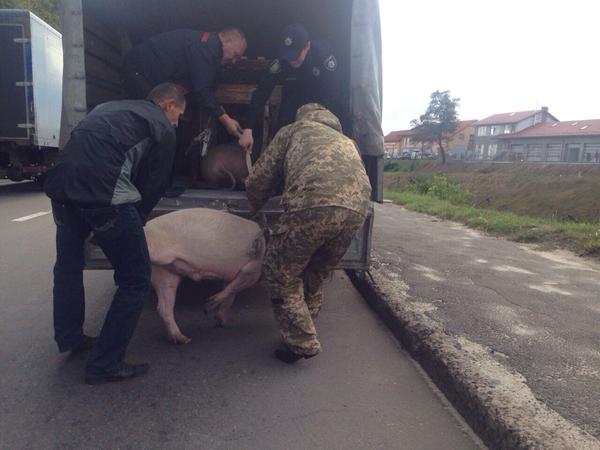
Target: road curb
495	401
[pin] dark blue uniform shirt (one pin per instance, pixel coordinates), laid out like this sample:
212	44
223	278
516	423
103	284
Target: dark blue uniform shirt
317	80
183	57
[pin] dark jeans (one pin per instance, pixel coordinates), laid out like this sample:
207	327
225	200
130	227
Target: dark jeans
119	232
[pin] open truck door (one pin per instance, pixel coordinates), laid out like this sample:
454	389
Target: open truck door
96	35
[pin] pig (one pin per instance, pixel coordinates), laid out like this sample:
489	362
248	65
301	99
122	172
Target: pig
202	243
224	166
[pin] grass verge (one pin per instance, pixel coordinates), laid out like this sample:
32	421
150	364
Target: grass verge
582	238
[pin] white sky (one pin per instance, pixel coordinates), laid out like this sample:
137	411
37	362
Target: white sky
496	56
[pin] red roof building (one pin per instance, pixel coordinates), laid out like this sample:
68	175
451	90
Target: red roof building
396	141
568	141
486	144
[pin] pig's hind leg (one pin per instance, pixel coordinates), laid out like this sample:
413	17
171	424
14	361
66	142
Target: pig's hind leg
165	284
222	301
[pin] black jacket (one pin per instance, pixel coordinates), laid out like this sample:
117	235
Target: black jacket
317	80
121	152
181	56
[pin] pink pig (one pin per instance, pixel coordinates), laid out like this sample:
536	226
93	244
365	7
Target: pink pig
202	243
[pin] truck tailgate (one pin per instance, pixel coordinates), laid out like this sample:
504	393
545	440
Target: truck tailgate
235	202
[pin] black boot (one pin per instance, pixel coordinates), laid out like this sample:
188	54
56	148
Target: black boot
289	357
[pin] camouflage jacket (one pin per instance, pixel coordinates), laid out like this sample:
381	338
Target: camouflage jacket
314	165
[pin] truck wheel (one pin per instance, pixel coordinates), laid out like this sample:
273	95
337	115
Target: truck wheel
15	173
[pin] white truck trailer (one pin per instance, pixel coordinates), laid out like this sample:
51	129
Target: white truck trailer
31	94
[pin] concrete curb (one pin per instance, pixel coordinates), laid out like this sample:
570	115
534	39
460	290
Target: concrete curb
495	401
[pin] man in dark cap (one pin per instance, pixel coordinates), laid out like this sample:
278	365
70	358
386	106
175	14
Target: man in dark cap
189	58
308	71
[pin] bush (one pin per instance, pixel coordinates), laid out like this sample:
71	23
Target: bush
421	184
441	187
391	166
402	165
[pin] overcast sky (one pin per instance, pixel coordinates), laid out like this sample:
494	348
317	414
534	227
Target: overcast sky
512	55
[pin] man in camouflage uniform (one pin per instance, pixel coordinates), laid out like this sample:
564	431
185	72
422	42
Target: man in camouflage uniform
325	199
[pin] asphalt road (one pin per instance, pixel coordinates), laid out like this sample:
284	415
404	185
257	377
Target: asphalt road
536	312
223	390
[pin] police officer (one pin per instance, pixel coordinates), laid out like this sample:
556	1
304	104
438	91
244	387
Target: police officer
190	58
108	178
308	71
326	195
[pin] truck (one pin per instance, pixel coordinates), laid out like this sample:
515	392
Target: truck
96	35
31	92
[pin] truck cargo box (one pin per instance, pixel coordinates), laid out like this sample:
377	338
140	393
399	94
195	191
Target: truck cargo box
31	93
30	79
98	33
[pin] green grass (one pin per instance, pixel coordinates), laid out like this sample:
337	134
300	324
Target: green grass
582	238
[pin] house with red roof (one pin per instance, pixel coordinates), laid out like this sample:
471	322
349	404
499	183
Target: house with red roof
455	144
569	141
460	141
396	141
486	142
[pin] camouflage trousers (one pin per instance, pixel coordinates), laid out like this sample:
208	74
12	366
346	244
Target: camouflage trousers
301	252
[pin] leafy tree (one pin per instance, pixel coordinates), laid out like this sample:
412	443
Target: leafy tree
439	121
47	10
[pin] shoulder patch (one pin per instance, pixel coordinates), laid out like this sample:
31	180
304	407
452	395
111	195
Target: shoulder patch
275	66
330	63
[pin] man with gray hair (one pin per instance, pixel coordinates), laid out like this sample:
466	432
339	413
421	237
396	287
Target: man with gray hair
109	176
189	58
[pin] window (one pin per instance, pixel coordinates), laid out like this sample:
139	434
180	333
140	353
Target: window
554	152
493	130
508	129
461	136
592	152
535	152
482	131
492	151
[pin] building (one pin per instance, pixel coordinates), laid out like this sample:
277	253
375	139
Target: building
570	141
396	141
460	141
486	142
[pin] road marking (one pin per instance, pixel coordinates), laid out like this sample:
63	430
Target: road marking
31	216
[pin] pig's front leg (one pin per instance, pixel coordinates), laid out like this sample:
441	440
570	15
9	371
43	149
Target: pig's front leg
165	284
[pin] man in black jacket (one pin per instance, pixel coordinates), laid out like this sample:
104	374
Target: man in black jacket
190	58
109	176
308	72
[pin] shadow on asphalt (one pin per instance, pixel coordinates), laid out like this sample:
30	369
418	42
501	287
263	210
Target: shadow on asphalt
7	187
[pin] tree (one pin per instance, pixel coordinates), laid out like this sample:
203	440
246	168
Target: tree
439	121
47	10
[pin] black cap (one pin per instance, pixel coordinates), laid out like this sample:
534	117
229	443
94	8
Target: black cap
293	39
